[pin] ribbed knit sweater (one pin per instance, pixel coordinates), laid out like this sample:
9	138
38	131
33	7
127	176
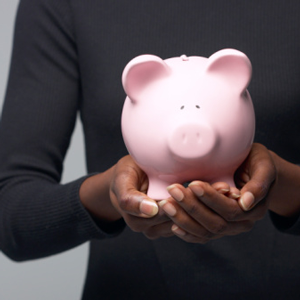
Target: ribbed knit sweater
68	58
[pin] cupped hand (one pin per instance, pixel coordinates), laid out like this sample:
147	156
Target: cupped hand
202	212
128	189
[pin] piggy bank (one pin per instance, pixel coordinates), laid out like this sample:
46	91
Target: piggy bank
188	118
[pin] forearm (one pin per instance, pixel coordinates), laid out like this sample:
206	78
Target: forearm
39	218
285	193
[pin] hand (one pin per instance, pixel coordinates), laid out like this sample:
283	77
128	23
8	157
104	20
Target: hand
128	195
202	212
255	178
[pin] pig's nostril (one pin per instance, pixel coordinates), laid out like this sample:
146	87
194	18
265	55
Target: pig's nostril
197	106
188	137
182	107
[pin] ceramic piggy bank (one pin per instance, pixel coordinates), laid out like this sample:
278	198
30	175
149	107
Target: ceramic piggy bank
188	118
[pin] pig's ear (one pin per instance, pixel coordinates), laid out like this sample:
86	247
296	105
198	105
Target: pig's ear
142	71
232	66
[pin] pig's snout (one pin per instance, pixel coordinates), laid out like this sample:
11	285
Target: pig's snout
191	141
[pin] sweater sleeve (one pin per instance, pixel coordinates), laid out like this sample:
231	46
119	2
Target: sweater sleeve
38	215
287	225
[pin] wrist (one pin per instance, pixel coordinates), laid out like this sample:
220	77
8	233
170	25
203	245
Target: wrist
95	197
285	193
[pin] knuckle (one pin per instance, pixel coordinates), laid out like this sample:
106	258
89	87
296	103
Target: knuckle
193	209
205	186
124	202
233	214
117	181
219	227
261	189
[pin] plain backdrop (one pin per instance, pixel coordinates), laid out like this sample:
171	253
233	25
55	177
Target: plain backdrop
58	277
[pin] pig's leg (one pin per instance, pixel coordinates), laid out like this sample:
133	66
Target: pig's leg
158	188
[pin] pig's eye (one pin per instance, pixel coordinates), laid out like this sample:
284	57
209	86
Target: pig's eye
197	106
182	107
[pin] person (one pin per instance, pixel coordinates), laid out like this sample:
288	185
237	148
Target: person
205	241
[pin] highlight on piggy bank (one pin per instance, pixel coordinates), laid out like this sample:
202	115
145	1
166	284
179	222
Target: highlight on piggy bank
188	118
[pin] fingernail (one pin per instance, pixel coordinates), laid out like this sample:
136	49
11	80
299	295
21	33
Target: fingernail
198	190
168	208
148	208
235	196
175	192
224	191
178	230
247	200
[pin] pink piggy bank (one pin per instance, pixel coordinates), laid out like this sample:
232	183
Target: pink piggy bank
188	118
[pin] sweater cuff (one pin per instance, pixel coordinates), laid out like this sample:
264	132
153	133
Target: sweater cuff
111	229
286	224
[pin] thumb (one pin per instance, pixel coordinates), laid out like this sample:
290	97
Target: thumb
128	198
257	188
138	204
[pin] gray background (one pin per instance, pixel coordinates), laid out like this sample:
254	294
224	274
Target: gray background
57	277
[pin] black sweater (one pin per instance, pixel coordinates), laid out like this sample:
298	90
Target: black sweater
68	57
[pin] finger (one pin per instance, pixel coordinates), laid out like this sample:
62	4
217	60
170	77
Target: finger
137	204
221	187
189	206
182	219
226	207
225	189
234	193
138	224
195	218
187	237
190	238
262	174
